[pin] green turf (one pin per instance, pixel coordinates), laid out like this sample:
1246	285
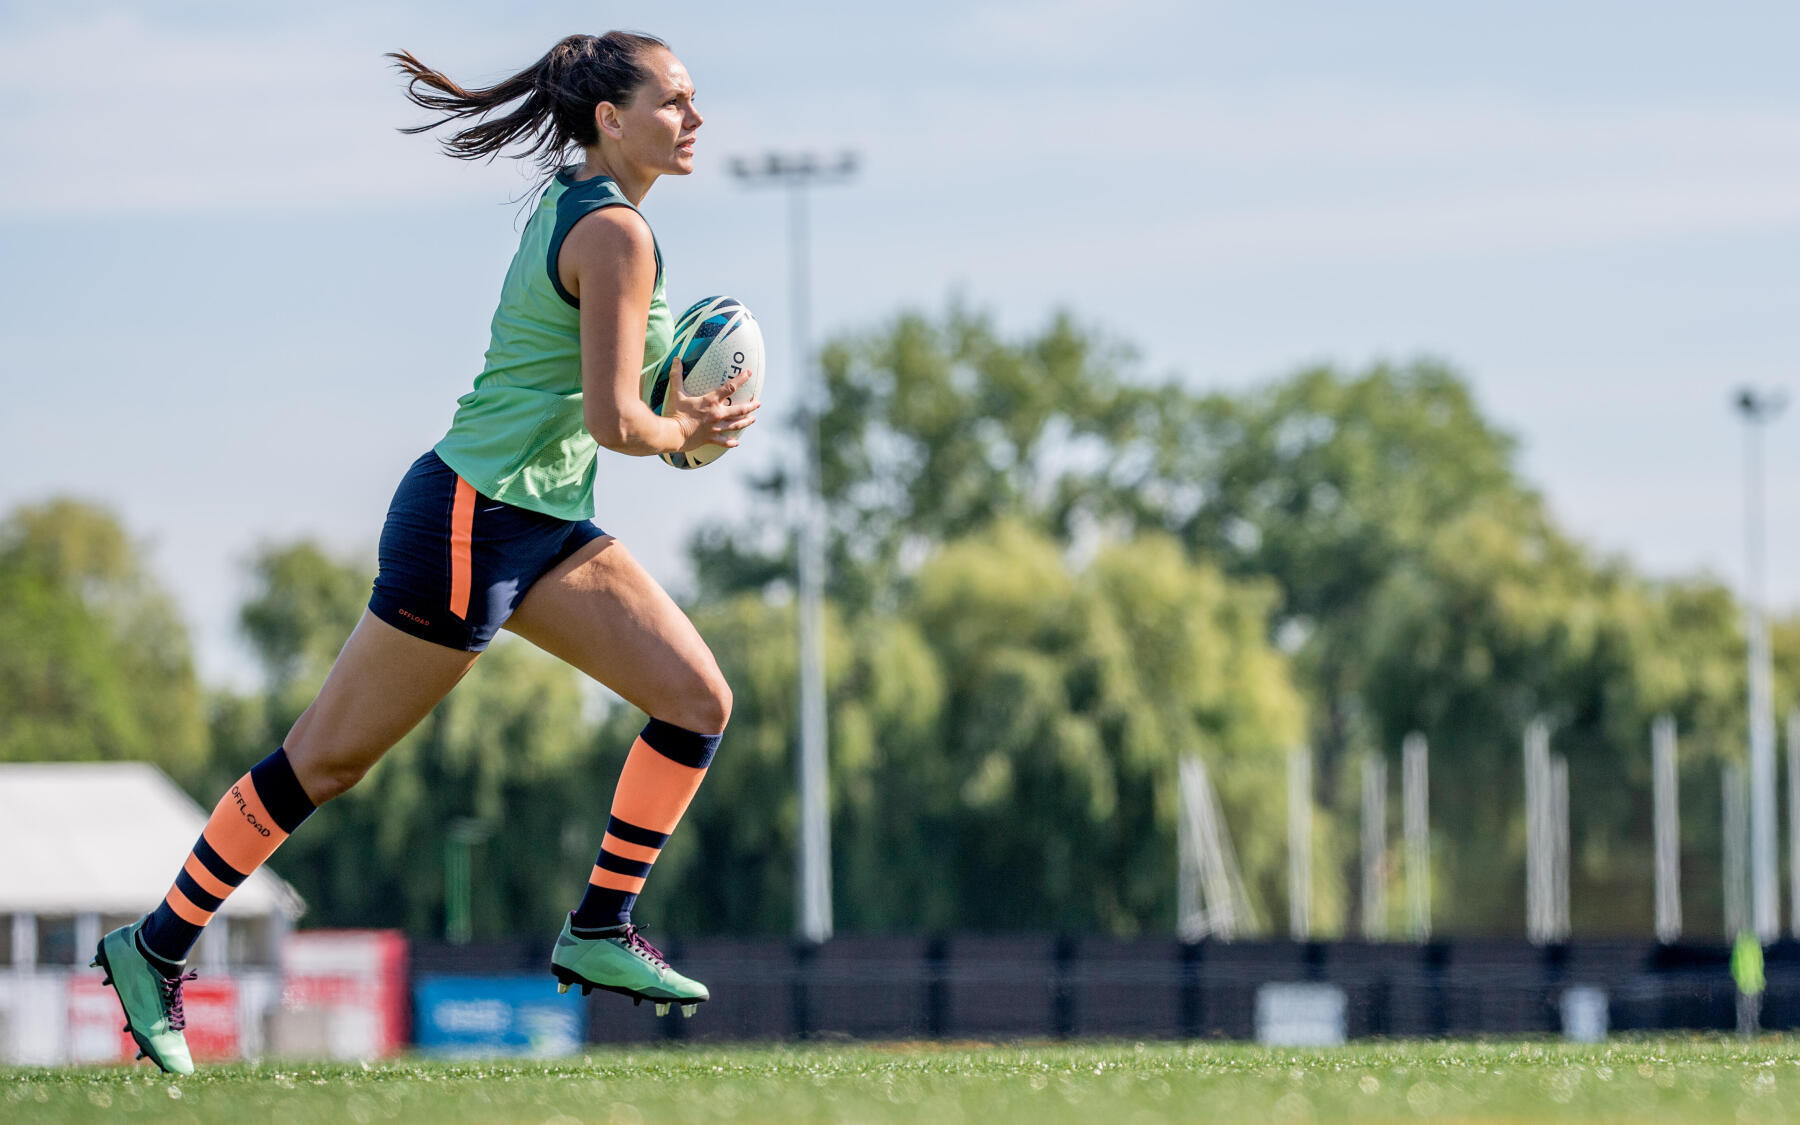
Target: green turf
1652	1080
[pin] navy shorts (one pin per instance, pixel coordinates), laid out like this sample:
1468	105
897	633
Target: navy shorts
454	564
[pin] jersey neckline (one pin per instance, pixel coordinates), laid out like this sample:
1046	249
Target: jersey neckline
566	177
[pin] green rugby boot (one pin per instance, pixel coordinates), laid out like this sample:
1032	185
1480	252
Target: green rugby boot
625	963
152	1002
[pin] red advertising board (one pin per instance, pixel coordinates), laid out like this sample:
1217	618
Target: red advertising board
96	1025
355	979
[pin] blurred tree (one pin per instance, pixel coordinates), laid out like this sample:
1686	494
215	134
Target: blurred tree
1073	696
1324	483
1502	619
303	605
95	662
1416	580
938	429
1321	484
1004	745
1784	646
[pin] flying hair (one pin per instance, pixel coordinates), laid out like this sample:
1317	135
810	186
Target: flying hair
556	97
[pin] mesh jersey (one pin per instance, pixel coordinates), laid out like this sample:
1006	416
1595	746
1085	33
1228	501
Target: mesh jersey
518	436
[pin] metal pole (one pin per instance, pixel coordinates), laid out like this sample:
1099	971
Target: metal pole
1793	803
1732	785
1374	848
814	921
1666	800
459	916
1190	909
1765	889
1559	849
1414	789
1537	859
1211	899
1300	844
813	914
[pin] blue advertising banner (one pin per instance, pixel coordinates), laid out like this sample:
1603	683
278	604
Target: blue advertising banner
484	1016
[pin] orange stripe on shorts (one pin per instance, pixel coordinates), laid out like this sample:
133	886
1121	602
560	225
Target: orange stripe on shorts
462	534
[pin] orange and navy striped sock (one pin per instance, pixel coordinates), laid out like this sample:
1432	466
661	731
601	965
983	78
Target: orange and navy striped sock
251	820
661	775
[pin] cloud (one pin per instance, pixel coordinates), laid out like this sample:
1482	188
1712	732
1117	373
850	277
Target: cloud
1333	176
161	119
1060	31
121	114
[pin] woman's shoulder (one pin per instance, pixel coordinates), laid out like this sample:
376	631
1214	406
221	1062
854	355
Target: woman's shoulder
589	209
612	230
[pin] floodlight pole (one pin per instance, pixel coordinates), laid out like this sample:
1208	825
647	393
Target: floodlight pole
812	920
1759	408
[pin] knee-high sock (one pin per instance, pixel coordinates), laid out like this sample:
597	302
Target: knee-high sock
251	820
661	775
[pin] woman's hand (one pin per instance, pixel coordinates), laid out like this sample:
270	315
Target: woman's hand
708	419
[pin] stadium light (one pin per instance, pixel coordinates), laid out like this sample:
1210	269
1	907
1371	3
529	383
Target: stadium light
797	173
1759	408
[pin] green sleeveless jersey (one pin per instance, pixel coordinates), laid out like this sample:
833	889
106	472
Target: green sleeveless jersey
519	435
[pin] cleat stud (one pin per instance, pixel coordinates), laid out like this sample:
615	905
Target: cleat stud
140	1055
637	1001
586	988
562	986
108	980
94	964
688	1010
662	1009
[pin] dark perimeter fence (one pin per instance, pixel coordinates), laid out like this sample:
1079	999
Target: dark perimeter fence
996	988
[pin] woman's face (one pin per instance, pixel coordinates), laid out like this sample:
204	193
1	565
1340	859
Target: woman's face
656	131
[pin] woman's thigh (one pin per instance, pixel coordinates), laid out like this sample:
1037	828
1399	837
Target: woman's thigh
601	611
383	682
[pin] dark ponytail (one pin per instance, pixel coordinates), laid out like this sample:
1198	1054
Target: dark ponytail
556	96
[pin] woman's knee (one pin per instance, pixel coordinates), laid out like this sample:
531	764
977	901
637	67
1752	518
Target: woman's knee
325	778
722	703
324	767
704	708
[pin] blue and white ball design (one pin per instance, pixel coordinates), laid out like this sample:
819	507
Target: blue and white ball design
716	339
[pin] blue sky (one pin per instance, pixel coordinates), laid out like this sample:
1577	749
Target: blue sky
235	304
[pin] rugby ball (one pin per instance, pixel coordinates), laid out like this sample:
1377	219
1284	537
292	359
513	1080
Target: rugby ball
715	339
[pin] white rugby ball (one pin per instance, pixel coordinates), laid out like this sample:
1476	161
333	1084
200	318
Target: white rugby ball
716	339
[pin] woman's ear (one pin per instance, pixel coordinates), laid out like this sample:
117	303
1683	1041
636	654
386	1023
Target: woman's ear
606	119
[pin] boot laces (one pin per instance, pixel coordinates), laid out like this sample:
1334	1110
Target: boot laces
637	943
171	997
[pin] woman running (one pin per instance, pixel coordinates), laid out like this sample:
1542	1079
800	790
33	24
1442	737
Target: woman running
493	527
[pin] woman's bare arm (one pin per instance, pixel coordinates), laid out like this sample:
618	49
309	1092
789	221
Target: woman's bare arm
610	259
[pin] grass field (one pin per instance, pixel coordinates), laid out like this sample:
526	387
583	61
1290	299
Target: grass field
1651	1080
